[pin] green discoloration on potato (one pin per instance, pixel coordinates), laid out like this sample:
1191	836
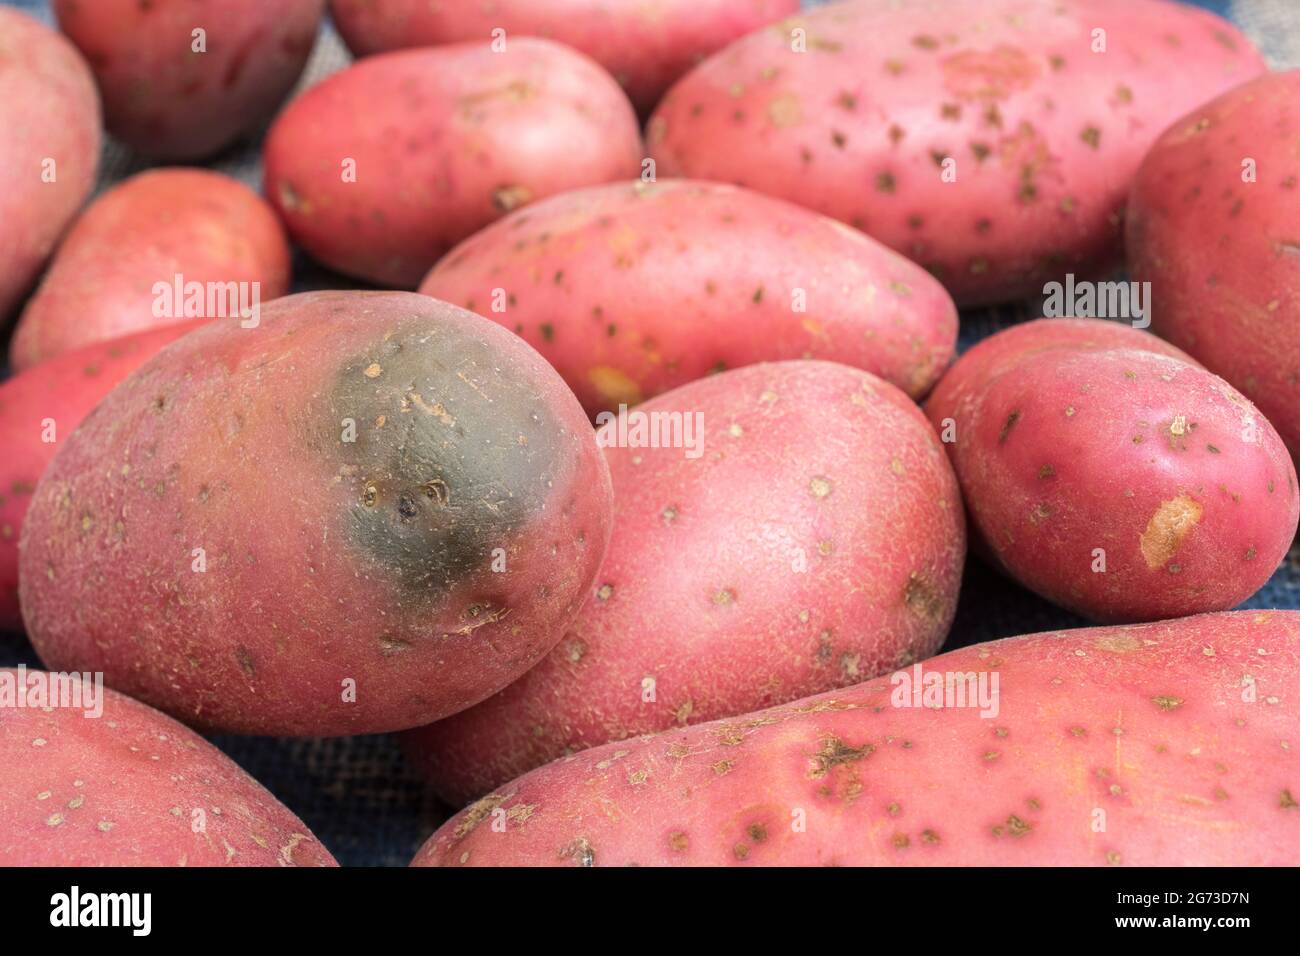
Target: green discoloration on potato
448	477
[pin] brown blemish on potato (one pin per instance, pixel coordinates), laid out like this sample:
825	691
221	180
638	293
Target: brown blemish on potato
1165	702
1118	643
1172	522
580	852
1287	802
678	842
921	597
1014	827
1009	424
834	753
507	198
477	812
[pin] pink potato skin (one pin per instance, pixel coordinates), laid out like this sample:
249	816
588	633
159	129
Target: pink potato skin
399	504
154	226
805	464
645	45
1046	134
1224	261
631	289
443	141
171	103
122	789
1074	435
1148	724
62	390
49	111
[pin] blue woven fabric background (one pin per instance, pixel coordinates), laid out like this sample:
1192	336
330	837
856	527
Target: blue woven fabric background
356	793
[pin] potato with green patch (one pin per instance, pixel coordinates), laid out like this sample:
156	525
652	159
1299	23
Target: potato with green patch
810	535
992	142
49	147
381	168
1167	744
90	777
1106	471
631	289
369	512
1214	226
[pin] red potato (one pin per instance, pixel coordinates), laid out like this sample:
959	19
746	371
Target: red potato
128	787
646	46
1170	744
631	289
380	169
368	512
117	270
817	540
40	408
1214	226
991	142
183	80
1112	476
49	147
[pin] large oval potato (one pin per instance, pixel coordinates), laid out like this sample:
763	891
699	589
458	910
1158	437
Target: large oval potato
817	539
1112	476
98	779
38	410
1169	744
634	288
1214	226
381	168
646	46
992	142
162	229
49	147
369	512
181	81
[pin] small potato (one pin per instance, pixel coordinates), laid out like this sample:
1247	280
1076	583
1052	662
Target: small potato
1178	737
369	512
993	142
1224	262
127	786
38	410
1107	473
117	270
811	538
646	46
49	147
183	80
634	288
380	169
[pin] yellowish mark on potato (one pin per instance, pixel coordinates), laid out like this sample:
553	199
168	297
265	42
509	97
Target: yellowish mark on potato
1172	522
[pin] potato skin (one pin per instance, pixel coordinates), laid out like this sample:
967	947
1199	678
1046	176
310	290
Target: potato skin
62	390
646	46
49	110
631	289
444	140
123	789
148	229
1148	723
1045	133
387	490
1224	263
170	103
702	588
1074	435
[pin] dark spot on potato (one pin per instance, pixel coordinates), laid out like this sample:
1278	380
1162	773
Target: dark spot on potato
834	753
1009	424
466	457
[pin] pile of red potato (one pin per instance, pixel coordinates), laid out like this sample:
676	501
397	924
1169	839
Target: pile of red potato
702	631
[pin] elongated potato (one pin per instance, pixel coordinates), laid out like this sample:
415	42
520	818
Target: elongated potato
1157	744
992	142
635	288
38	410
182	80
1224	260
120	266
1113	476
369	512
646	46
815	539
381	168
90	777
49	146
